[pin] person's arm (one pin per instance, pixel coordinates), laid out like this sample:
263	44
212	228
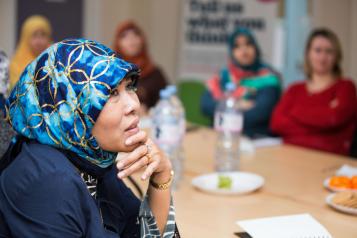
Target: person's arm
160	200
262	108
57	205
156	213
208	104
281	122
214	87
330	115
211	96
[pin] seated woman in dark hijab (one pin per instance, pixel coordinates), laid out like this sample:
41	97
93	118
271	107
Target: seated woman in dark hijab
75	108
257	85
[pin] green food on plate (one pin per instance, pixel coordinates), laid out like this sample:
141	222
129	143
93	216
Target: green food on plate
224	182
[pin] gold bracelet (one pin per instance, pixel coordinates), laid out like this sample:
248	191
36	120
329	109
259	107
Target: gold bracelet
163	186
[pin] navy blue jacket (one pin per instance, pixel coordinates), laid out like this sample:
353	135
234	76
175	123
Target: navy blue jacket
255	120
43	195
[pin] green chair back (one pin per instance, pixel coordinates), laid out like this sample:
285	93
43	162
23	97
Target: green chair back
190	92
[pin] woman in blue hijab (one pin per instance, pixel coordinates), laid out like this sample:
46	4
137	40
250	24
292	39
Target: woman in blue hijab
257	85
74	108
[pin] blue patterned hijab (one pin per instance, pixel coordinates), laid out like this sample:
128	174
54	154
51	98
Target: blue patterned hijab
60	94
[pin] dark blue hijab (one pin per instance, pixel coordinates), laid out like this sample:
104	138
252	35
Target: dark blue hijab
257	64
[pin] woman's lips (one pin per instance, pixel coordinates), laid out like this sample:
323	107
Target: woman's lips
133	128
132	131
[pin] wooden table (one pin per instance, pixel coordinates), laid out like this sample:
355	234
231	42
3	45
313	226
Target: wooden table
294	178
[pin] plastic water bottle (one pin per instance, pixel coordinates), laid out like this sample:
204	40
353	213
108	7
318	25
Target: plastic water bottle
228	123
177	104
175	101
167	132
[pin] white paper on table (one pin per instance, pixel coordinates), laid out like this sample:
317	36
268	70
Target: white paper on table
346	170
293	226
246	145
267	141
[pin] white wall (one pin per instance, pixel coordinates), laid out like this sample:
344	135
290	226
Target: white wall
158	18
161	19
7	26
341	17
352	49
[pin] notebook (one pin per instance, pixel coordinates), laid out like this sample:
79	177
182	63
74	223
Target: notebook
294	226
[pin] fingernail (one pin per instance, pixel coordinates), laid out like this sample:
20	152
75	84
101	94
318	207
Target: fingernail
121	175
128	142
120	165
143	177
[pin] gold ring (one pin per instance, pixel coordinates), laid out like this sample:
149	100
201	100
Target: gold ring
149	148
149	157
148	153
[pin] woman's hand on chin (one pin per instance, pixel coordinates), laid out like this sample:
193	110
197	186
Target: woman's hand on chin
145	155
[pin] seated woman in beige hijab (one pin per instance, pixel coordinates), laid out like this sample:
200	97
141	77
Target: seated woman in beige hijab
35	37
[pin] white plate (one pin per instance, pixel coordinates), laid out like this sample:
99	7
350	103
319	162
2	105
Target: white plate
327	185
242	183
340	208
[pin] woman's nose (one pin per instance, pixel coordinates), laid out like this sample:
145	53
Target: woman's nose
132	104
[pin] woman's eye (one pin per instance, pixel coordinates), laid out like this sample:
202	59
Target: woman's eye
131	86
115	92
318	50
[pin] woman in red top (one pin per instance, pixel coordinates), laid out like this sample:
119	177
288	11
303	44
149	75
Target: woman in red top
321	112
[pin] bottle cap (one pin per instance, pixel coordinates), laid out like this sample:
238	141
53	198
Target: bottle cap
164	93
230	86
172	89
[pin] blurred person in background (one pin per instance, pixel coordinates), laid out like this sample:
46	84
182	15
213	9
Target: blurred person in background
320	112
6	133
4	79
130	44
35	37
257	85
